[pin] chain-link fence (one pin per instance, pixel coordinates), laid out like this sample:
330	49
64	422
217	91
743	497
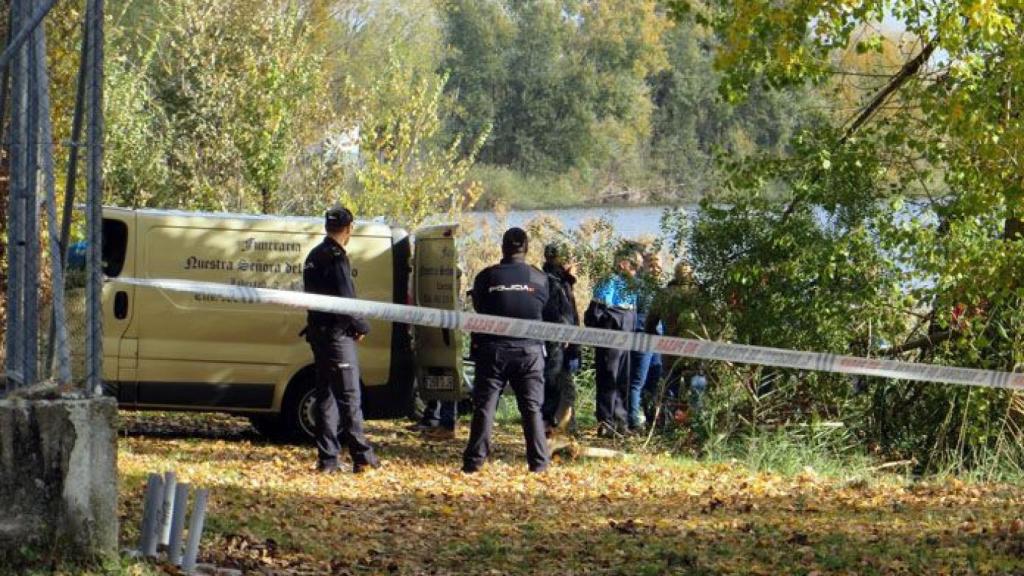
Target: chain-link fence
75	318
37	344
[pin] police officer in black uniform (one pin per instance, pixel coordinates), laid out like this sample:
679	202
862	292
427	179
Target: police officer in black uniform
514	289
333	337
563	360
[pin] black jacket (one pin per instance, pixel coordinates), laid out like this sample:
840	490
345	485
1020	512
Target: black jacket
601	315
561	307
511	288
327	271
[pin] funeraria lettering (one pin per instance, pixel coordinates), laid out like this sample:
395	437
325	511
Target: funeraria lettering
254	245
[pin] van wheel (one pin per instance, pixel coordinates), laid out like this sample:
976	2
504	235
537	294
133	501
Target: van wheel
298	411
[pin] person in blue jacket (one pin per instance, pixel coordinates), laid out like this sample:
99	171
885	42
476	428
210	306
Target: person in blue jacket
613	307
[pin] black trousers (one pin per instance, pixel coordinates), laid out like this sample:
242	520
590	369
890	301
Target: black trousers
523	368
553	366
611	373
612	376
339	412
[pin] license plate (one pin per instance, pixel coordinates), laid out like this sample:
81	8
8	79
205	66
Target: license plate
439	382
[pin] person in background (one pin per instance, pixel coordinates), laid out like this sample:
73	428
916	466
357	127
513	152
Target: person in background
514	289
644	367
438	420
613	307
678	306
563	360
333	338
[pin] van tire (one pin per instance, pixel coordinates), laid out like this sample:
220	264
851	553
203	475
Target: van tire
378	402
296	420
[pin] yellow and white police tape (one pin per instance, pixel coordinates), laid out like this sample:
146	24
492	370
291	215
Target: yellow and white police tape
501	326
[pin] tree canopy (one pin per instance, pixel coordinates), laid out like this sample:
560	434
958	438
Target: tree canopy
892	227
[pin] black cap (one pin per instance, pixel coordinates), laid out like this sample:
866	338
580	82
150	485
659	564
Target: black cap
514	241
554	250
337	218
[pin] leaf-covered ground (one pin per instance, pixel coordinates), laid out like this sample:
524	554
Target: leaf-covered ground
647	514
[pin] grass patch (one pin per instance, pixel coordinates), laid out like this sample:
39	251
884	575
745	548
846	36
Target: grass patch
107	567
828	450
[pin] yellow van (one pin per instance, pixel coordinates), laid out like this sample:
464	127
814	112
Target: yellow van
175	351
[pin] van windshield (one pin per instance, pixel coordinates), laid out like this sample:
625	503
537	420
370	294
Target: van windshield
115	245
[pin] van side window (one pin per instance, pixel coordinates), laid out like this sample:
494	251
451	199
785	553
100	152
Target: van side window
115	245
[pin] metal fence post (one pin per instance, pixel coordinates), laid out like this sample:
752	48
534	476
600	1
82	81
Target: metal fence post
151	503
167	510
30	271
31	21
195	531
58	335
76	141
94	267
13	343
178	524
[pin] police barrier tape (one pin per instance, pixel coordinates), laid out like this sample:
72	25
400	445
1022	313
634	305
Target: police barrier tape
502	326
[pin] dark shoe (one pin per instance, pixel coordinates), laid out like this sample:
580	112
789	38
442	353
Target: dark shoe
329	468
606	431
470	469
636	430
363	467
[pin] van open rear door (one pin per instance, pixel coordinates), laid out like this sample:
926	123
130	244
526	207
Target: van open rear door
437	284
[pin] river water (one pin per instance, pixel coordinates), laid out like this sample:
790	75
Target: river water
628	221
633	221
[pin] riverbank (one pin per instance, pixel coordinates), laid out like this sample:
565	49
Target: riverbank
503	187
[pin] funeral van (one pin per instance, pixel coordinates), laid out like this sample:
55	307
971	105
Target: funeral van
166	350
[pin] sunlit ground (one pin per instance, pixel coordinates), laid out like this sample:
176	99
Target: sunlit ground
646	514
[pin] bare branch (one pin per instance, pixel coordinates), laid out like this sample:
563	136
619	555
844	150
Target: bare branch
909	70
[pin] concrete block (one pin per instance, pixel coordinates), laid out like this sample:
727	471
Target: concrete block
58	479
